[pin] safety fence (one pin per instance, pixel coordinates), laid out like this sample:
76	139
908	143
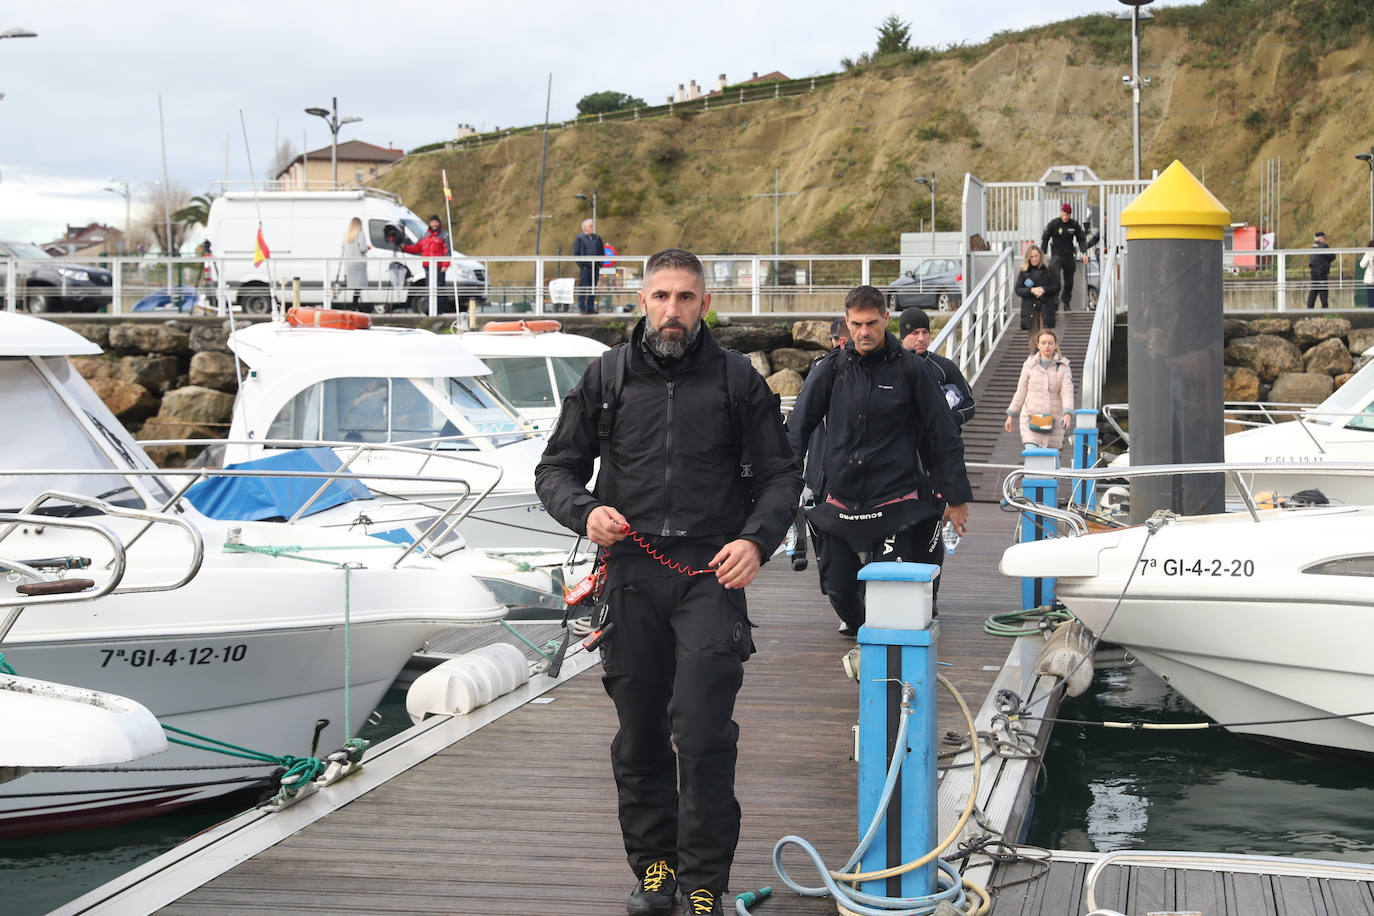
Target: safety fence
977	326
1110	304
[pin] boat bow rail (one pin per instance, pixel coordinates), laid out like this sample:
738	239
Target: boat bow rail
1073	523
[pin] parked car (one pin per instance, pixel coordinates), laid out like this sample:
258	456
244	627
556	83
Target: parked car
935	283
177	299
45	284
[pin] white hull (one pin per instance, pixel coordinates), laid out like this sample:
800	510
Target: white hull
251	652
1235	615
1306	442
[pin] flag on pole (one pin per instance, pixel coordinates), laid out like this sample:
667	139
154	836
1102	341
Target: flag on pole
448	195
260	250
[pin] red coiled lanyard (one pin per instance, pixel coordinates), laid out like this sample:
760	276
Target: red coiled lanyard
592	585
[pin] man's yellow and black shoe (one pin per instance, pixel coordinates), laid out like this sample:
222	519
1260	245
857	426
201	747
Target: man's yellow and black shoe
702	902
653	895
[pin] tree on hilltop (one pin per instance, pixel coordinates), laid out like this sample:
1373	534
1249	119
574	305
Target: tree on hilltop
607	102
894	36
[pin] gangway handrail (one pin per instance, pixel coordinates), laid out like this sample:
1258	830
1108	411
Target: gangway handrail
1099	352
981	320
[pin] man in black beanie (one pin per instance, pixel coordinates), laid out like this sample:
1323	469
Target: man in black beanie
915	335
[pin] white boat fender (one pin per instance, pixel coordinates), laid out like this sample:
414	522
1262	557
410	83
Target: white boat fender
461	684
1067	654
47	725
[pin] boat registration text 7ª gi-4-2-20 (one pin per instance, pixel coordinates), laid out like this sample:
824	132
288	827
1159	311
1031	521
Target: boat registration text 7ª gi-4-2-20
1213	566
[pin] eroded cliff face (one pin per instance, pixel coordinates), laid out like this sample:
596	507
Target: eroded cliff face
1224	100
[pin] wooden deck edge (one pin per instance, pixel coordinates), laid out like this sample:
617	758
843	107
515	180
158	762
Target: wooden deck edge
207	855
1005	784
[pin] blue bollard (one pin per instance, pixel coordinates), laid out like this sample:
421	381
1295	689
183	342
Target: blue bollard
897	645
1085	455
1038	591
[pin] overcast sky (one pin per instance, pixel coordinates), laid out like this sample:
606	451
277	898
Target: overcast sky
81	100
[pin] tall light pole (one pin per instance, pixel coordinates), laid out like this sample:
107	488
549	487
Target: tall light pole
331	117
126	194
1368	159
593	200
16	33
930	182
1134	80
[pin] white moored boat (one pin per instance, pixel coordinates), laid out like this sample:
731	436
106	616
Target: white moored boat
533	364
237	631
393	401
1256	617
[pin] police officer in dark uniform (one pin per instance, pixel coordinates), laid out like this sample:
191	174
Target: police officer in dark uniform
1058	239
672	473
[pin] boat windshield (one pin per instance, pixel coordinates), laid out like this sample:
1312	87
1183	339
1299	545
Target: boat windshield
525	380
42	431
397	410
1352	404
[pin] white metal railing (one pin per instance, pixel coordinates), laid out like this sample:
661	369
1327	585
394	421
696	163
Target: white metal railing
1110	303
977	326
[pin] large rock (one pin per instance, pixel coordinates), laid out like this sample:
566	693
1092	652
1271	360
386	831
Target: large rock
92	367
194	404
1310	331
210	369
98	334
1343	378
1329	356
812	335
785	382
206	337
747	338
1242	384
1361	339
1265	354
1280	327
1234	327
761	363
149	338
128	401
171	456
156	373
798	361
1301	388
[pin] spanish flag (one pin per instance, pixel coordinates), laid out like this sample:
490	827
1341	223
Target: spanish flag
448	195
260	250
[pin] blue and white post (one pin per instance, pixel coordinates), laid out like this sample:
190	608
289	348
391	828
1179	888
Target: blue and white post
897	645
1085	455
1045	490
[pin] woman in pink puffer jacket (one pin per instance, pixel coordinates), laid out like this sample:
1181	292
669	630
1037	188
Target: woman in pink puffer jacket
1046	388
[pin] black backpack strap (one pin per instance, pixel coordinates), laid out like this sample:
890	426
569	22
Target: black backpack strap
737	369
615	368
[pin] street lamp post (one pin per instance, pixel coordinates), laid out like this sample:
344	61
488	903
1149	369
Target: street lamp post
1134	80
593	200
126	194
16	33
1368	159
331	118
930	182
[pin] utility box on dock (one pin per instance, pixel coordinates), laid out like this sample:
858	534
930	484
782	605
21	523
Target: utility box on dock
898	595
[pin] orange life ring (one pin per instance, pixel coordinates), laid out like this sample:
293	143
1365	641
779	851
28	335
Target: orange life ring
534	326
339	319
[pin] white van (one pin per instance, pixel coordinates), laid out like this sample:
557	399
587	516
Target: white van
304	231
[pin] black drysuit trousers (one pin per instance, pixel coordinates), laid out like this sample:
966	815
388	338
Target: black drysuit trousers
840	564
673	666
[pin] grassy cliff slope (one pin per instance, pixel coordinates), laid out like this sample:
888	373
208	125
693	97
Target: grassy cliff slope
1235	83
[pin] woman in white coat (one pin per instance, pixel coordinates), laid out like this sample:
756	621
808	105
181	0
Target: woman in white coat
354	255
1367	262
1044	395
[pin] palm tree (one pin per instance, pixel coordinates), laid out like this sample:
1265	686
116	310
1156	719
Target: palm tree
196	211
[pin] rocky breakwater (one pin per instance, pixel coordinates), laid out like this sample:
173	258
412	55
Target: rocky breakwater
1292	361
163	381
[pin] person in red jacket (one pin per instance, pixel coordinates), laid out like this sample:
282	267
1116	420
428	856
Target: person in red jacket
434	244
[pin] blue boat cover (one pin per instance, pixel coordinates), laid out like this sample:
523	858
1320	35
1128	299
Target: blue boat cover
252	499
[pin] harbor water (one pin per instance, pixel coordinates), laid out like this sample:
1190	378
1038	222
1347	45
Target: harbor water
39	874
1207	790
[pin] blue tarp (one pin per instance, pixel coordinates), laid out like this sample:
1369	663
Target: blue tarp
251	499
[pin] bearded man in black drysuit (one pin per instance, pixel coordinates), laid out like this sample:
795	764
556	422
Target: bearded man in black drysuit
687	428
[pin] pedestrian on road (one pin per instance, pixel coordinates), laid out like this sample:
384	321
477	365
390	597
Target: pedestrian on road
1319	263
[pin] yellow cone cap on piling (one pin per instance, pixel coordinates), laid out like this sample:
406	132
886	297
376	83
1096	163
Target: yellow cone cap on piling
1176	206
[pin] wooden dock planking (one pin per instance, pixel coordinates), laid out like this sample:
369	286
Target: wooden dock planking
519	818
